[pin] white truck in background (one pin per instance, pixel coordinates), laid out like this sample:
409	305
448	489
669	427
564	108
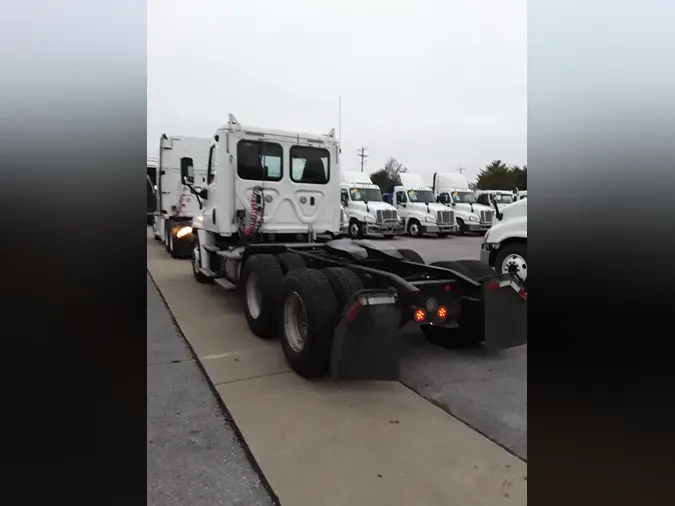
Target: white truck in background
504	247
175	204
503	197
453	190
416	204
366	212
521	195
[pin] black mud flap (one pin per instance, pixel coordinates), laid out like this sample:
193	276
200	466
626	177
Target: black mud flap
367	342
505	313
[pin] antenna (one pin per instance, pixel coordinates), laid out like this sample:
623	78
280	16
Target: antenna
363	155
340	124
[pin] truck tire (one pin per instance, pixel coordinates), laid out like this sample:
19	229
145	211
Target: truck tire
478	269
307	322
355	230
290	262
414	228
196	262
261	278
345	284
513	258
456	338
411	256
461	228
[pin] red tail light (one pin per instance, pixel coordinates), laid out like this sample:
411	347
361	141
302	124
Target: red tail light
442	313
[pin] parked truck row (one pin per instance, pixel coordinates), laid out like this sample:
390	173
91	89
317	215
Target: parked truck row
264	197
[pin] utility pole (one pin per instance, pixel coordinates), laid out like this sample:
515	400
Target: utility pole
461	169
363	155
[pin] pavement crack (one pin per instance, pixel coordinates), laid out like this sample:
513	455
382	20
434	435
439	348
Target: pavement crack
251	378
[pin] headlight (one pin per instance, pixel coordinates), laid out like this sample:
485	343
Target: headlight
183	231
474	218
370	219
430	219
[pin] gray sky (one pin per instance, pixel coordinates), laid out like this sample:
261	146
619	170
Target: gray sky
437	84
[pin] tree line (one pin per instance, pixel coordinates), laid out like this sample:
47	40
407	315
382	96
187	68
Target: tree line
494	176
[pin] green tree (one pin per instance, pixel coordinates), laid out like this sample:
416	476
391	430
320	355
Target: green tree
498	176
389	175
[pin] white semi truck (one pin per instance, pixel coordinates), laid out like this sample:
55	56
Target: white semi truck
366	212
175	204
502	197
452	190
504	247
337	306
416	204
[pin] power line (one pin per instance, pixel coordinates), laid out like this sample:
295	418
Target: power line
363	155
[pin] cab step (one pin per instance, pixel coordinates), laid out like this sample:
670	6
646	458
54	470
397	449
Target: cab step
212	249
208	272
223	283
231	254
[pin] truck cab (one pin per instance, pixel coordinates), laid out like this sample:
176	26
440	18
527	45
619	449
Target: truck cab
175	205
366	212
452	190
504	246
417	205
502	197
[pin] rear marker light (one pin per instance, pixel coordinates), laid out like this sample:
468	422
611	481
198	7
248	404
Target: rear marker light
447	288
353	312
442	313
420	315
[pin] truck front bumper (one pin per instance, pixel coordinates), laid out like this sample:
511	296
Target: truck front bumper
435	228
486	252
477	227
392	228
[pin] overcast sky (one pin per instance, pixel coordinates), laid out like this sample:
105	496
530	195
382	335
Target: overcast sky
437	84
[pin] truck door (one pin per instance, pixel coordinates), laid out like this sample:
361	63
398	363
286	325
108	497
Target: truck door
402	204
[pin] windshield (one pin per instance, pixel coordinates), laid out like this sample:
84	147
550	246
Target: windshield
365	194
464	197
425	196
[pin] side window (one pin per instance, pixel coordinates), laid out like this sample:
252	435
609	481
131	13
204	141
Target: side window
187	168
344	197
310	165
400	198
210	176
259	161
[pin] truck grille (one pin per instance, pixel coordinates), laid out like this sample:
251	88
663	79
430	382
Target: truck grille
383	216
486	216
445	217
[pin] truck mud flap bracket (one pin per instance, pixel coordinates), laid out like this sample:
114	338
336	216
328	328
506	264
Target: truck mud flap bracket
367	342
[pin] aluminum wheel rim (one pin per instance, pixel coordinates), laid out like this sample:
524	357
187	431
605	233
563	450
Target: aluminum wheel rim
253	296
414	229
171	242
354	229
515	264
295	322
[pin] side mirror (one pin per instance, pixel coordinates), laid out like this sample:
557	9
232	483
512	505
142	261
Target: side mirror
187	174
203	194
453	203
345	202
